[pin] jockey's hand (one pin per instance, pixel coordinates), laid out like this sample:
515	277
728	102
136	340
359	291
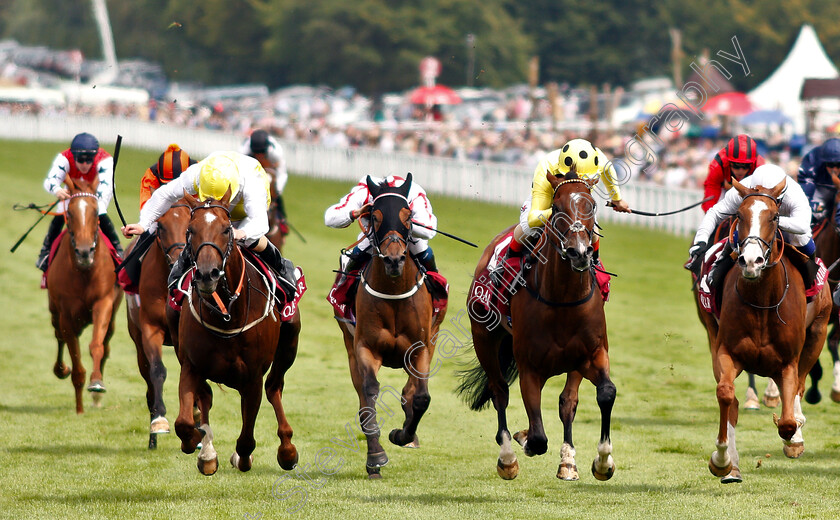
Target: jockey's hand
696	252
238	234
621	206
62	194
130	230
356	213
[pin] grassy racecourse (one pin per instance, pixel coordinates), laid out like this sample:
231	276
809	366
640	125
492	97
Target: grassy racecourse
55	464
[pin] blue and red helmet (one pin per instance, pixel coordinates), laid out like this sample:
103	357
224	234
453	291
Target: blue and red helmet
84	142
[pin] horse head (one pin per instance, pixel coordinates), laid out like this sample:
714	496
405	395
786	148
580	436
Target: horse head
572	221
171	230
390	221
209	239
757	225
82	217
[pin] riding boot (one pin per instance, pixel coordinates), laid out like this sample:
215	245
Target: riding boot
52	233
427	260
107	228
717	274
282	266
179	268
809	270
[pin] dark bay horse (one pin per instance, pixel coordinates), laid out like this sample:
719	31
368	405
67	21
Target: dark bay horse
146	311
230	332
766	327
82	290
394	324
827	239
558	326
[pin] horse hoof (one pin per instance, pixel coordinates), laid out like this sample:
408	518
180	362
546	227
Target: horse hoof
813	396
734	476
96	387
772	402
794	450
507	471
521	437
377	460
208	467
159	425
751	402
238	462
602	476
373	473
287	463
61	371
569	472
719	472
835	395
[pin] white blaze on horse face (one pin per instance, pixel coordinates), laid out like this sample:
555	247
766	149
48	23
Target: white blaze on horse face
209	218
753	250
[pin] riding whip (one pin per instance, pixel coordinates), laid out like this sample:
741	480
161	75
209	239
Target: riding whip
663	213
444	233
114	181
14	247
293	228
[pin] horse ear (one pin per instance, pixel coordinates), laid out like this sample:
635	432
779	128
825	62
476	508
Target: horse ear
373	188
572	173
406	186
552	179
778	189
191	201
71	186
742	190
226	197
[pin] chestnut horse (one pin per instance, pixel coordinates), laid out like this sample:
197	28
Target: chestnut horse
146	311
394	324
765	327
827	239
82	290
558	326
230	332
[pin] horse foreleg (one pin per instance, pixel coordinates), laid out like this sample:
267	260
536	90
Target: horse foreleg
530	385
771	394
789	425
60	370
721	461
287	455
415	400
250	399
568	407
185	424
833	342
101	324
67	329
150	360
751	398
368	366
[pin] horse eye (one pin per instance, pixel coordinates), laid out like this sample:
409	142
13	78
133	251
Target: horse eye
226	231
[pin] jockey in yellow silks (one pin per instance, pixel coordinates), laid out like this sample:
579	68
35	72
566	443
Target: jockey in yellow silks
589	162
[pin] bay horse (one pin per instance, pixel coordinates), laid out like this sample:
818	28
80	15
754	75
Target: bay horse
558	326
82	289
230	331
146	311
827	240
394	324
765	327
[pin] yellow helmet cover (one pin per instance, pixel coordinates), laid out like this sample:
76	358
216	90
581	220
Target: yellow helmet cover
218	172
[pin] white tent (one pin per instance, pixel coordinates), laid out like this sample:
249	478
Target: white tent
780	91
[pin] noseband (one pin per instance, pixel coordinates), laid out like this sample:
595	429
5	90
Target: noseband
66	220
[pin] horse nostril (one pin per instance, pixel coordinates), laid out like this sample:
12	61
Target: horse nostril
742	262
572	252
590	251
215	273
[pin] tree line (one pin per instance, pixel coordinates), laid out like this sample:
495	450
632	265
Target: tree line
376	45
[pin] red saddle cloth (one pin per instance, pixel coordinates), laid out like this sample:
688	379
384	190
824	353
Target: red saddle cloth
710	300
495	297
126	282
288	307
343	297
114	255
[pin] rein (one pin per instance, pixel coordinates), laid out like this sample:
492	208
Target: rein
175	245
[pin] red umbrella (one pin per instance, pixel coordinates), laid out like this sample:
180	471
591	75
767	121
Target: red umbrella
729	104
435	95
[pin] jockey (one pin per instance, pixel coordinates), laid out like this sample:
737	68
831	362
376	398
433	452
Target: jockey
818	176
169	166
589	162
739	158
212	177
269	153
83	160
794	221
357	203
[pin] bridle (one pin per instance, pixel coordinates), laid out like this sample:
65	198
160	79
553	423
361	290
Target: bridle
224	254
766	247
67	220
168	250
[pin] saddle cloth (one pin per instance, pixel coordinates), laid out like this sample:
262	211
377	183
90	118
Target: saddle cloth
114	255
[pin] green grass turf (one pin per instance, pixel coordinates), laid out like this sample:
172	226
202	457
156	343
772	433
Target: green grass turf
55	464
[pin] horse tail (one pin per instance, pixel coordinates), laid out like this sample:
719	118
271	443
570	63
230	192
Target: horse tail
474	388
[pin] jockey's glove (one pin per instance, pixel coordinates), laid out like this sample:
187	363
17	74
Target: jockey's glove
696	253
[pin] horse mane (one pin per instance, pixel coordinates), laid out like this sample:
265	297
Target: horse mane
572	173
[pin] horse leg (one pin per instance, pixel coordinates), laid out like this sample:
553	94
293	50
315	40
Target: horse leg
151	355
789	425
101	324
60	370
399	436
568	406
185	423
368	366
67	327
284	356
751	398
415	401
250	399
722	460
833	342
531	384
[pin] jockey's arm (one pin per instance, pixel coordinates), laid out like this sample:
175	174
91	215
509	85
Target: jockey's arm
727	206
797	220
255	224
105	191
55	177
541	197
164	197
421	212
340	215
